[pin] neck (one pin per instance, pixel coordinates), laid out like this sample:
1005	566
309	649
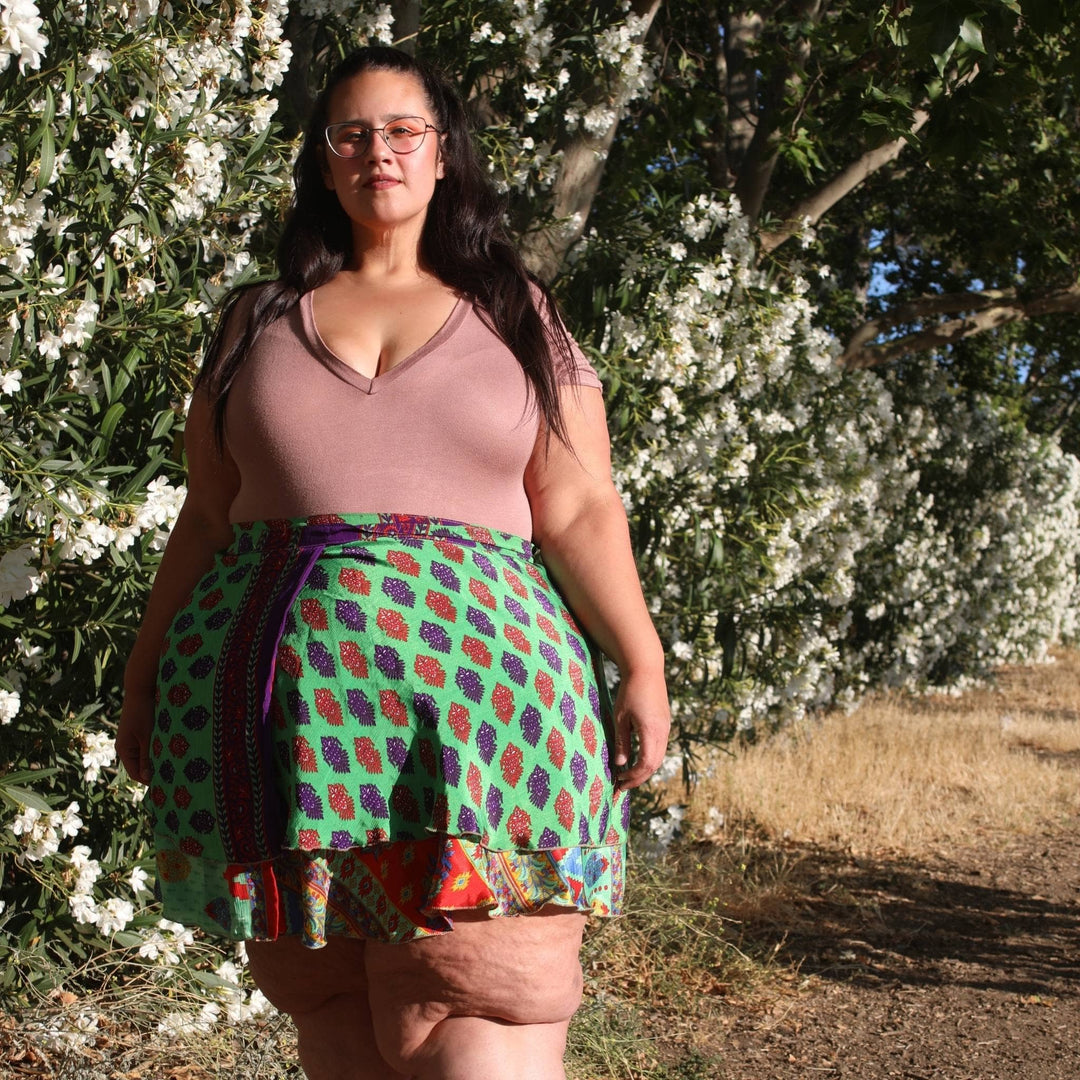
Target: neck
391	255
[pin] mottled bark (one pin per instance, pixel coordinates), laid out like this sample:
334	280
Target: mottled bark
755	110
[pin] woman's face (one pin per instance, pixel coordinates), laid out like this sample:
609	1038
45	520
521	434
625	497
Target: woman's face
381	189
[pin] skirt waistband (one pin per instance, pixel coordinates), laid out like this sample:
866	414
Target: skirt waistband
322	530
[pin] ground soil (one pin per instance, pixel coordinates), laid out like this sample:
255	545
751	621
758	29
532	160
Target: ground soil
963	964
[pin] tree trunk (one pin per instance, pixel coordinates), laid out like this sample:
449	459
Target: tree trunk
406	23
296	94
583	161
756	110
741	92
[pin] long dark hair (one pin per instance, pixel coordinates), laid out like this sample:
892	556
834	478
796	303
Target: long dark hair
464	243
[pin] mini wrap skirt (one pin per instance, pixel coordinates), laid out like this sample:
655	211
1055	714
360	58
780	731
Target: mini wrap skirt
366	722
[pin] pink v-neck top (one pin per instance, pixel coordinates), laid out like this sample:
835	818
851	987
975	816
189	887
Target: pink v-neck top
447	432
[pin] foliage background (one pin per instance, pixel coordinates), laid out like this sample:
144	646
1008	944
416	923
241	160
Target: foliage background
843	429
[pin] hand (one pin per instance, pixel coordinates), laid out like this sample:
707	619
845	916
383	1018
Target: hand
642	715
133	734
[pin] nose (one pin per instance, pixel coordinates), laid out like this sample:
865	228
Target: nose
377	148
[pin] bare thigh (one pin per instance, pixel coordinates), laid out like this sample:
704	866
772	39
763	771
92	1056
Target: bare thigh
325	992
512	970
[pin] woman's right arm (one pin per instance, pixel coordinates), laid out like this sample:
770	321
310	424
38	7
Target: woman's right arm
202	529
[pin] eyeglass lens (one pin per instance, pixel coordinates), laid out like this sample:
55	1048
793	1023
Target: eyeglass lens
403	136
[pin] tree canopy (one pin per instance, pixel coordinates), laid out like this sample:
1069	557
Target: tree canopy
925	153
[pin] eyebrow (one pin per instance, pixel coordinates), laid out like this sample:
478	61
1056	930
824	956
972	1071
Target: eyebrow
387	118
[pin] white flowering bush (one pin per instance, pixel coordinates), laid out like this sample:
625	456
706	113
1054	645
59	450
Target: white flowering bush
977	563
750	466
136	165
804	534
807	534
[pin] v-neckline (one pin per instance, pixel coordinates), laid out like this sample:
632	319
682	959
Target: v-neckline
373	384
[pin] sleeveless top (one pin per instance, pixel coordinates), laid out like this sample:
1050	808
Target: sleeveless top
447	432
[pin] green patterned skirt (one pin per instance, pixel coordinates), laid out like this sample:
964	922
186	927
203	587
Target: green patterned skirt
368	721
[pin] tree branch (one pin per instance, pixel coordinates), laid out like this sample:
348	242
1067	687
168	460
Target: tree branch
812	209
816	206
575	187
986	311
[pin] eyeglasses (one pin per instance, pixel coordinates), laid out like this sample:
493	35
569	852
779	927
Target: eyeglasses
403	136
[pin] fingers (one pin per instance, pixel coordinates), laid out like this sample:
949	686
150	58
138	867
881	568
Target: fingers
133	740
651	746
135	757
622	741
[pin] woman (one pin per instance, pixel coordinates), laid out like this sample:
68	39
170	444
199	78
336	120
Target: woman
373	727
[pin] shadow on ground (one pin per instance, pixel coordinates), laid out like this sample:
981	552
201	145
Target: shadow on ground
1006	921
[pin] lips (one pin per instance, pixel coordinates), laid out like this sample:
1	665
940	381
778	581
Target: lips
380	183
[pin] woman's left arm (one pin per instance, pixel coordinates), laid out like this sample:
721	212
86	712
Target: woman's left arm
580	527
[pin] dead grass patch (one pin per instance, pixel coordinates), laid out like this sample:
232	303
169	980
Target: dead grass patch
902	773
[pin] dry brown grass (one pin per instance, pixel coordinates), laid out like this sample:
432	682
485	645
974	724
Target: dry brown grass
903	774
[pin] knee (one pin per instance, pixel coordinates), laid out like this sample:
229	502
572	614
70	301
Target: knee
550	1000
466	1047
411	1034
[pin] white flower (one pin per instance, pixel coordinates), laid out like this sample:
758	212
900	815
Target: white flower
38	831
98	61
57	224
670	767
114	915
20	34
161	950
9	706
83	908
120	153
79	377
138	879
182	1025
98	753
49	345
70	823
24	822
10	382
682	650
599	119
87	870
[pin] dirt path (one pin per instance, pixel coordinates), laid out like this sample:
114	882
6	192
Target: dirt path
964	965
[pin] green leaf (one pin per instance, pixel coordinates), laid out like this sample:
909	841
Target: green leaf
47	158
25	797
22	775
971	35
108	427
